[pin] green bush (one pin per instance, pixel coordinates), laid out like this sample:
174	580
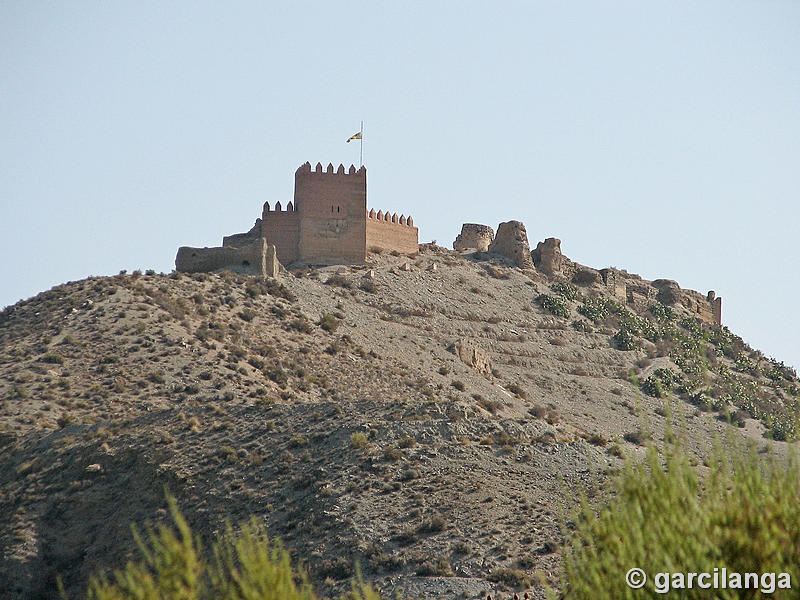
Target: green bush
243	565
555	305
742	517
597	308
329	322
624	339
661	382
569	291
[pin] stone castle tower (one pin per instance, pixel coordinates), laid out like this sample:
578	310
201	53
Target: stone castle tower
328	221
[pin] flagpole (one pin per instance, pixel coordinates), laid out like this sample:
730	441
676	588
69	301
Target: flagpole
361	149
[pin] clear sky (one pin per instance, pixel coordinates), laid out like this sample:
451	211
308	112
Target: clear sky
658	137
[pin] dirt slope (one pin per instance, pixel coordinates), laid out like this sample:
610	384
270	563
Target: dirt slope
335	407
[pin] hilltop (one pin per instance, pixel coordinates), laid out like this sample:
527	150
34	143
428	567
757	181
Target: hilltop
429	417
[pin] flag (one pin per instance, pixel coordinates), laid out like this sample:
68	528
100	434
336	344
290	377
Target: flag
355	136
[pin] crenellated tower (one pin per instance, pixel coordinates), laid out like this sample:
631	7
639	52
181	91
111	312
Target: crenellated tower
328	222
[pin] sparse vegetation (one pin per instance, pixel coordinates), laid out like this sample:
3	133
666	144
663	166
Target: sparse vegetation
743	516
241	564
555	305
359	440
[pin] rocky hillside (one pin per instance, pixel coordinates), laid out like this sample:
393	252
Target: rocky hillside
429	419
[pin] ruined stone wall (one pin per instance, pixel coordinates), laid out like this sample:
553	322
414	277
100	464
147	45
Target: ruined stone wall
390	232
613	281
254	258
332	209
474	236
547	256
282	229
511	241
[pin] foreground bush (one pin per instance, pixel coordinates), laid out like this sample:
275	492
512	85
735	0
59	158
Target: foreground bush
241	566
743	516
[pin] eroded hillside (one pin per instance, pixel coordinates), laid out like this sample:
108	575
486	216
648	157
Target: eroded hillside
335	405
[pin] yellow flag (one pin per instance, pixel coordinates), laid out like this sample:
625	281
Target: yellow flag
356	136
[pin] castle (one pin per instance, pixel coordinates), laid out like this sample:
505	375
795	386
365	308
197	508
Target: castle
326	223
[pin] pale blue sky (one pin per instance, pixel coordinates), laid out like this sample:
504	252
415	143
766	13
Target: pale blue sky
663	138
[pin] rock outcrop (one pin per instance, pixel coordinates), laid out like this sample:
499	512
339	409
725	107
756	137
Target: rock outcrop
474	236
511	241
669	292
586	276
473	355
547	257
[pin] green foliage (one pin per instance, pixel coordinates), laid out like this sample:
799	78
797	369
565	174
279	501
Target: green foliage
242	565
582	326
358	440
329	322
598	308
661	519
661	312
625	339
569	291
555	305
661	382
300	324
53	358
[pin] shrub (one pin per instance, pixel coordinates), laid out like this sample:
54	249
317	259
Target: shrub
53	358
248	314
638	437
516	390
339	280
569	291
329	322
459	385
490	405
625	339
555	305
582	326
243	564
407	442
598	308
433	525
510	577
661	519
538	411
358	440
156	377
300	324
439	567
661	382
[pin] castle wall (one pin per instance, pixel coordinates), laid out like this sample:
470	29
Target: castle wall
282	229
389	235
332	208
474	236
255	258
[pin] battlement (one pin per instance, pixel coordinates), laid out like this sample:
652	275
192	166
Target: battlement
305	170
289	207
393	218
327	221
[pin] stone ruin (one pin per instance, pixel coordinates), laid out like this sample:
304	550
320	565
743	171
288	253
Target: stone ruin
511	241
472	355
547	257
474	236
251	255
